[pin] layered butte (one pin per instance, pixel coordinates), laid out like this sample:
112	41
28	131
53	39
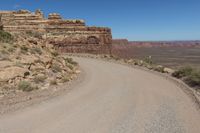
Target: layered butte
66	35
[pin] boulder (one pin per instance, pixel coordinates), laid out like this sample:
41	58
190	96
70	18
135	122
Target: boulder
11	73
159	68
37	68
5	63
28	59
46	60
130	61
168	70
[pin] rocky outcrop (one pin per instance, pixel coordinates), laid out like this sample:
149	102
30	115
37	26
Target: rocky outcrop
26	65
11	73
65	35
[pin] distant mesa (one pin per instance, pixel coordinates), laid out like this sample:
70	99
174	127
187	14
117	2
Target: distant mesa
125	42
66	35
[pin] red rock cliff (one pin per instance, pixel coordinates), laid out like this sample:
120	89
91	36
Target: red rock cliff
66	35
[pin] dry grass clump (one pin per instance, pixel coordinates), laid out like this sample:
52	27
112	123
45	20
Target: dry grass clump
70	61
56	68
65	79
53	82
36	50
190	75
26	86
6	37
39	79
24	49
54	53
34	34
18	64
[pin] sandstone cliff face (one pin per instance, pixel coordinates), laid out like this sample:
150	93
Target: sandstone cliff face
65	35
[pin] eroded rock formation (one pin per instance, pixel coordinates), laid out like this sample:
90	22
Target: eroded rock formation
65	35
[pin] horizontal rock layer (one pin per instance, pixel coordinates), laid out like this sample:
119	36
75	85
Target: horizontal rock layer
65	35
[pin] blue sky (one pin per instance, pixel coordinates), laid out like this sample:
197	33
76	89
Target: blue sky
133	19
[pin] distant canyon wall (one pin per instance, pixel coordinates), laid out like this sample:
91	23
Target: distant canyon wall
125	42
128	49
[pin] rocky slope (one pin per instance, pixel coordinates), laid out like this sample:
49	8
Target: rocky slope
27	64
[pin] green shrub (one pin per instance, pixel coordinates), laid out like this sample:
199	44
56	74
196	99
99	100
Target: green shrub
25	86
5	52
11	49
65	79
189	75
55	53
148	60
193	79
34	34
24	49
70	66
5	37
56	68
38	61
39	79
186	71
70	60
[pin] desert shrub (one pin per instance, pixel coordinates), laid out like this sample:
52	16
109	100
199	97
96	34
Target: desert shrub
56	68
18	64
186	71
24	49
38	61
190	75
39	79
65	79
70	66
11	49
193	79
1	27
54	53
34	34
70	60
25	86
136	63
36	51
148	60
26	74
53	82
5	52
7	87
5	37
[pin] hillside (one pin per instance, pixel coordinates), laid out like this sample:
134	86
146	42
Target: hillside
27	64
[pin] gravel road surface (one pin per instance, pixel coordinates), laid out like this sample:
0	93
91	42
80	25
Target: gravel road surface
112	98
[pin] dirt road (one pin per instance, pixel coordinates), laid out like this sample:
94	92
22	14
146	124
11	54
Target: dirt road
111	99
